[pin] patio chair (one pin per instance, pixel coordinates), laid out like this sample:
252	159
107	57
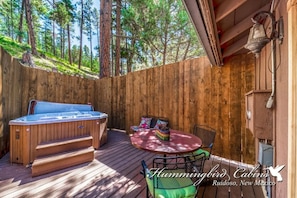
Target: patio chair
207	135
173	176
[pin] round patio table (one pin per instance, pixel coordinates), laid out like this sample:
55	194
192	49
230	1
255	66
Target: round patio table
179	143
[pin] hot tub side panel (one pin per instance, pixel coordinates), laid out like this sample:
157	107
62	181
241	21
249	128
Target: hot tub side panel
25	138
20	144
98	130
94	129
103	131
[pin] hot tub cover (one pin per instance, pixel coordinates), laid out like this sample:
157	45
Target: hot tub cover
43	112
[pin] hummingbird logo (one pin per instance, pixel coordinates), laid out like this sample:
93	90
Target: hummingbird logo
275	172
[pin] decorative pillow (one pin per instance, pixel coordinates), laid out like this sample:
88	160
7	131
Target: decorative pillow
134	128
160	124
145	123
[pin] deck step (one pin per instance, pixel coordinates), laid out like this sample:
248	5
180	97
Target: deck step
60	154
51	148
62	160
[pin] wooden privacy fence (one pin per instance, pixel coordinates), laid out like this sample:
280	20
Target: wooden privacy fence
192	92
187	93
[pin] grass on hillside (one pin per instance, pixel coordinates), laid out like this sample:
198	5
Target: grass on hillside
46	61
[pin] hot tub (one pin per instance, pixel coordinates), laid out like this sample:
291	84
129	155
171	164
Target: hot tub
49	121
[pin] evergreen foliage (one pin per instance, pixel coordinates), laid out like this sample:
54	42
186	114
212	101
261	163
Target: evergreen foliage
152	32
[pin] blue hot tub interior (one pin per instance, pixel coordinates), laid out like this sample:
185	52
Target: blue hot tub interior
41	112
39	107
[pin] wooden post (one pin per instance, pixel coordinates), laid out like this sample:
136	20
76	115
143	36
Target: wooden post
292	86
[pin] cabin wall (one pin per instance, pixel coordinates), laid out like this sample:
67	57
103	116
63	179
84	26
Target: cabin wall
263	81
292	87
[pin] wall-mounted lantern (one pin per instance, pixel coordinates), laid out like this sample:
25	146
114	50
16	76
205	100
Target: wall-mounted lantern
258	38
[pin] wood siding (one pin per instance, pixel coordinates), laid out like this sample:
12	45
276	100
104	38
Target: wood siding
280	111
186	93
292	100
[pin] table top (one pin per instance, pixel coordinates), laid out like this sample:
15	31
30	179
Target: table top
179	143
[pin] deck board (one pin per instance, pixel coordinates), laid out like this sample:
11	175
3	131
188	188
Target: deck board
115	172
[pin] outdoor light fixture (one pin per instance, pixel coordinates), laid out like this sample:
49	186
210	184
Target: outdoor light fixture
258	38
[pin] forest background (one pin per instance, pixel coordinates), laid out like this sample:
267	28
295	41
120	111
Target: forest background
99	39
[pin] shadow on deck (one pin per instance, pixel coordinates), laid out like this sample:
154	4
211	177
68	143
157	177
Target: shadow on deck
115	172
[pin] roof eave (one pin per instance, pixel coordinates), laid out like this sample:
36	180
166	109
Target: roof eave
201	14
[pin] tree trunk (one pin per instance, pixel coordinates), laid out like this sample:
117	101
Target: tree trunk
187	50
81	34
105	31
54	36
118	39
91	49
30	27
98	40
61	42
178	46
20	36
165	44
11	19
130	57
69	44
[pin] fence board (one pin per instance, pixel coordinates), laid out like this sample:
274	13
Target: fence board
186	95
7	92
60	81
235	104
90	87
16	105
180	125
202	97
175	95
33	83
224	107
52	86
150	89
118	102
123	103
248	141
129	106
103	92
25	89
153	91
42	85
193	94
161	91
76	90
169	100
5	101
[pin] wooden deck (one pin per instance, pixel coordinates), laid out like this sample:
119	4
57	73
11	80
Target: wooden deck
113	173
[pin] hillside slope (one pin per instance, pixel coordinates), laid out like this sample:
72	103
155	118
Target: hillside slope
45	61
